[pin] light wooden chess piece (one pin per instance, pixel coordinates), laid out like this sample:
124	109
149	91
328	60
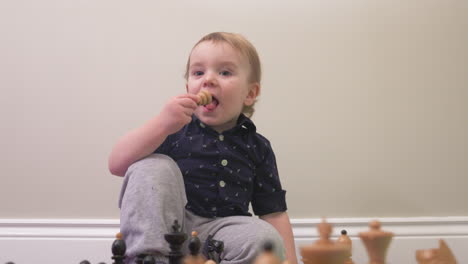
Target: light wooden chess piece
376	242
441	255
325	251
194	246
345	240
204	97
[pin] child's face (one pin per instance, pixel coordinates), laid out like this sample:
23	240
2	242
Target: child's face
224	72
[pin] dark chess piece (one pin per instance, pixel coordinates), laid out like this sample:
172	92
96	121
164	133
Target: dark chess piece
149	260
140	258
194	247
213	249
267	256
118	249
175	239
145	258
82	262
9	262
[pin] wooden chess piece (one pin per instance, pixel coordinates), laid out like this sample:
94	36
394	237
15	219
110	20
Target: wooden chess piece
194	246
376	242
345	240
325	251
175	239
213	249
139	258
445	254
118	249
149	259
441	255
267	256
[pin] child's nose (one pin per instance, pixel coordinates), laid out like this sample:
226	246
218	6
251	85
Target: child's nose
210	80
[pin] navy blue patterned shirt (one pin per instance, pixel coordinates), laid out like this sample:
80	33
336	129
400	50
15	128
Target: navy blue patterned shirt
225	172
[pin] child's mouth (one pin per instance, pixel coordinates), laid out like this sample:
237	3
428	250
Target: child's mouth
212	106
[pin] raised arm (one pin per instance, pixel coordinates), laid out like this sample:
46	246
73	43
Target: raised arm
143	140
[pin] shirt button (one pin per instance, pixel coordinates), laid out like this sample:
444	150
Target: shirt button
221	137
224	162
222	183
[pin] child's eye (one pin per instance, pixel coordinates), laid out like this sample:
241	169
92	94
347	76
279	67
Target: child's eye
198	73
225	73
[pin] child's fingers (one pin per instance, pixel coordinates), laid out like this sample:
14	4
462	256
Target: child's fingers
188	112
193	97
188	103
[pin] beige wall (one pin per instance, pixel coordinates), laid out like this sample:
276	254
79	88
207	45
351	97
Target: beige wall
365	102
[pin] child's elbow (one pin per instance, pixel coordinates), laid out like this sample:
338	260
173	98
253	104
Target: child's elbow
116	168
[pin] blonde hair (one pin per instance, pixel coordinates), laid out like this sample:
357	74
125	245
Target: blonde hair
241	44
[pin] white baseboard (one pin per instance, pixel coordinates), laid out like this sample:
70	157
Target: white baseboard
25	241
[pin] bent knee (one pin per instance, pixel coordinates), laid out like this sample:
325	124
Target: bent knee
267	233
159	163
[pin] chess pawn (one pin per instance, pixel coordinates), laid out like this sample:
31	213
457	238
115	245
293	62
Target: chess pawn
194	246
267	256
441	255
376	242
345	240
325	251
118	249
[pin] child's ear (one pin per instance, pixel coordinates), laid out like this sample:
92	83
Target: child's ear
254	91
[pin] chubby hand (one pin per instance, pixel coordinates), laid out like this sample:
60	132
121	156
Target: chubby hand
177	112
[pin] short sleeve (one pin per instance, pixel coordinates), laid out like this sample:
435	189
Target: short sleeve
268	197
167	145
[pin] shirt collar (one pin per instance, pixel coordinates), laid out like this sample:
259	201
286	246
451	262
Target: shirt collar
243	124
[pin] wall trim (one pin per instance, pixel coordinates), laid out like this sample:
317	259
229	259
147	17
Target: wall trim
59	228
453	226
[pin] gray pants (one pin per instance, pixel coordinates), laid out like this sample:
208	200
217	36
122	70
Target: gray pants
153	196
